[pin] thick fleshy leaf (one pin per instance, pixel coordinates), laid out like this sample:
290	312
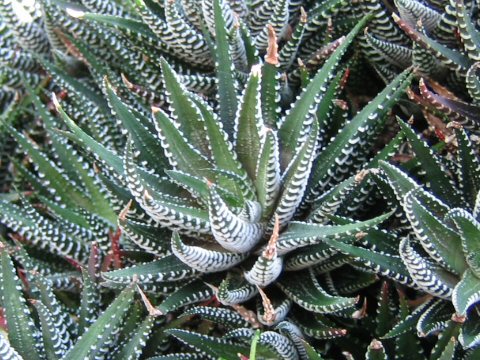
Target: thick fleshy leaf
300	234
210	346
434	319
227	93
466	293
99	334
67	193
181	154
184	110
450	333
435	172
339	151
83	139
249	124
191	293
231	231
469	167
267	176
23	336
295	179
410	322
221	148
407	344
318	326
168	268
140	129
304	289
468	32
452	58
469	229
90	301
297	121
204	260
54	349
439	241
470	332
133	348
430	277
279	344
224	316
384	264
399	181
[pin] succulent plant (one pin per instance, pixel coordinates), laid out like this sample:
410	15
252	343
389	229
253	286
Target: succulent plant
217	161
434	251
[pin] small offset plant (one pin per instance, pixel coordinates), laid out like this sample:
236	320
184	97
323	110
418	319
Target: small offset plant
201	179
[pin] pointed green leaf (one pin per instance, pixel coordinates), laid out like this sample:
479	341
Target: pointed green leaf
302	234
469	167
53	347
221	148
185	112
83	139
410	322
180	152
332	156
89	303
191	293
466	293
140	129
248	124
68	193
209	345
435	172
439	241
469	229
22	333
304	289
168	268
382	263
227	93
470	332
449	351
267	179
292	125
133	348
398	180
444	341
92	341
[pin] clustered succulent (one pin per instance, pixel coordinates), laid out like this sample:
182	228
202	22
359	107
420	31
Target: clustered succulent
239	179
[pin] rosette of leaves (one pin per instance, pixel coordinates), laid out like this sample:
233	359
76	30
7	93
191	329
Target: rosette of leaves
435	252
229	196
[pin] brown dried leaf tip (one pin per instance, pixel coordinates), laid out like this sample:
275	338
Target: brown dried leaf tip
272	50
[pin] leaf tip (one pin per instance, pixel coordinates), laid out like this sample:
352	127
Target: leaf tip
126	82
272	49
123	214
303	15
